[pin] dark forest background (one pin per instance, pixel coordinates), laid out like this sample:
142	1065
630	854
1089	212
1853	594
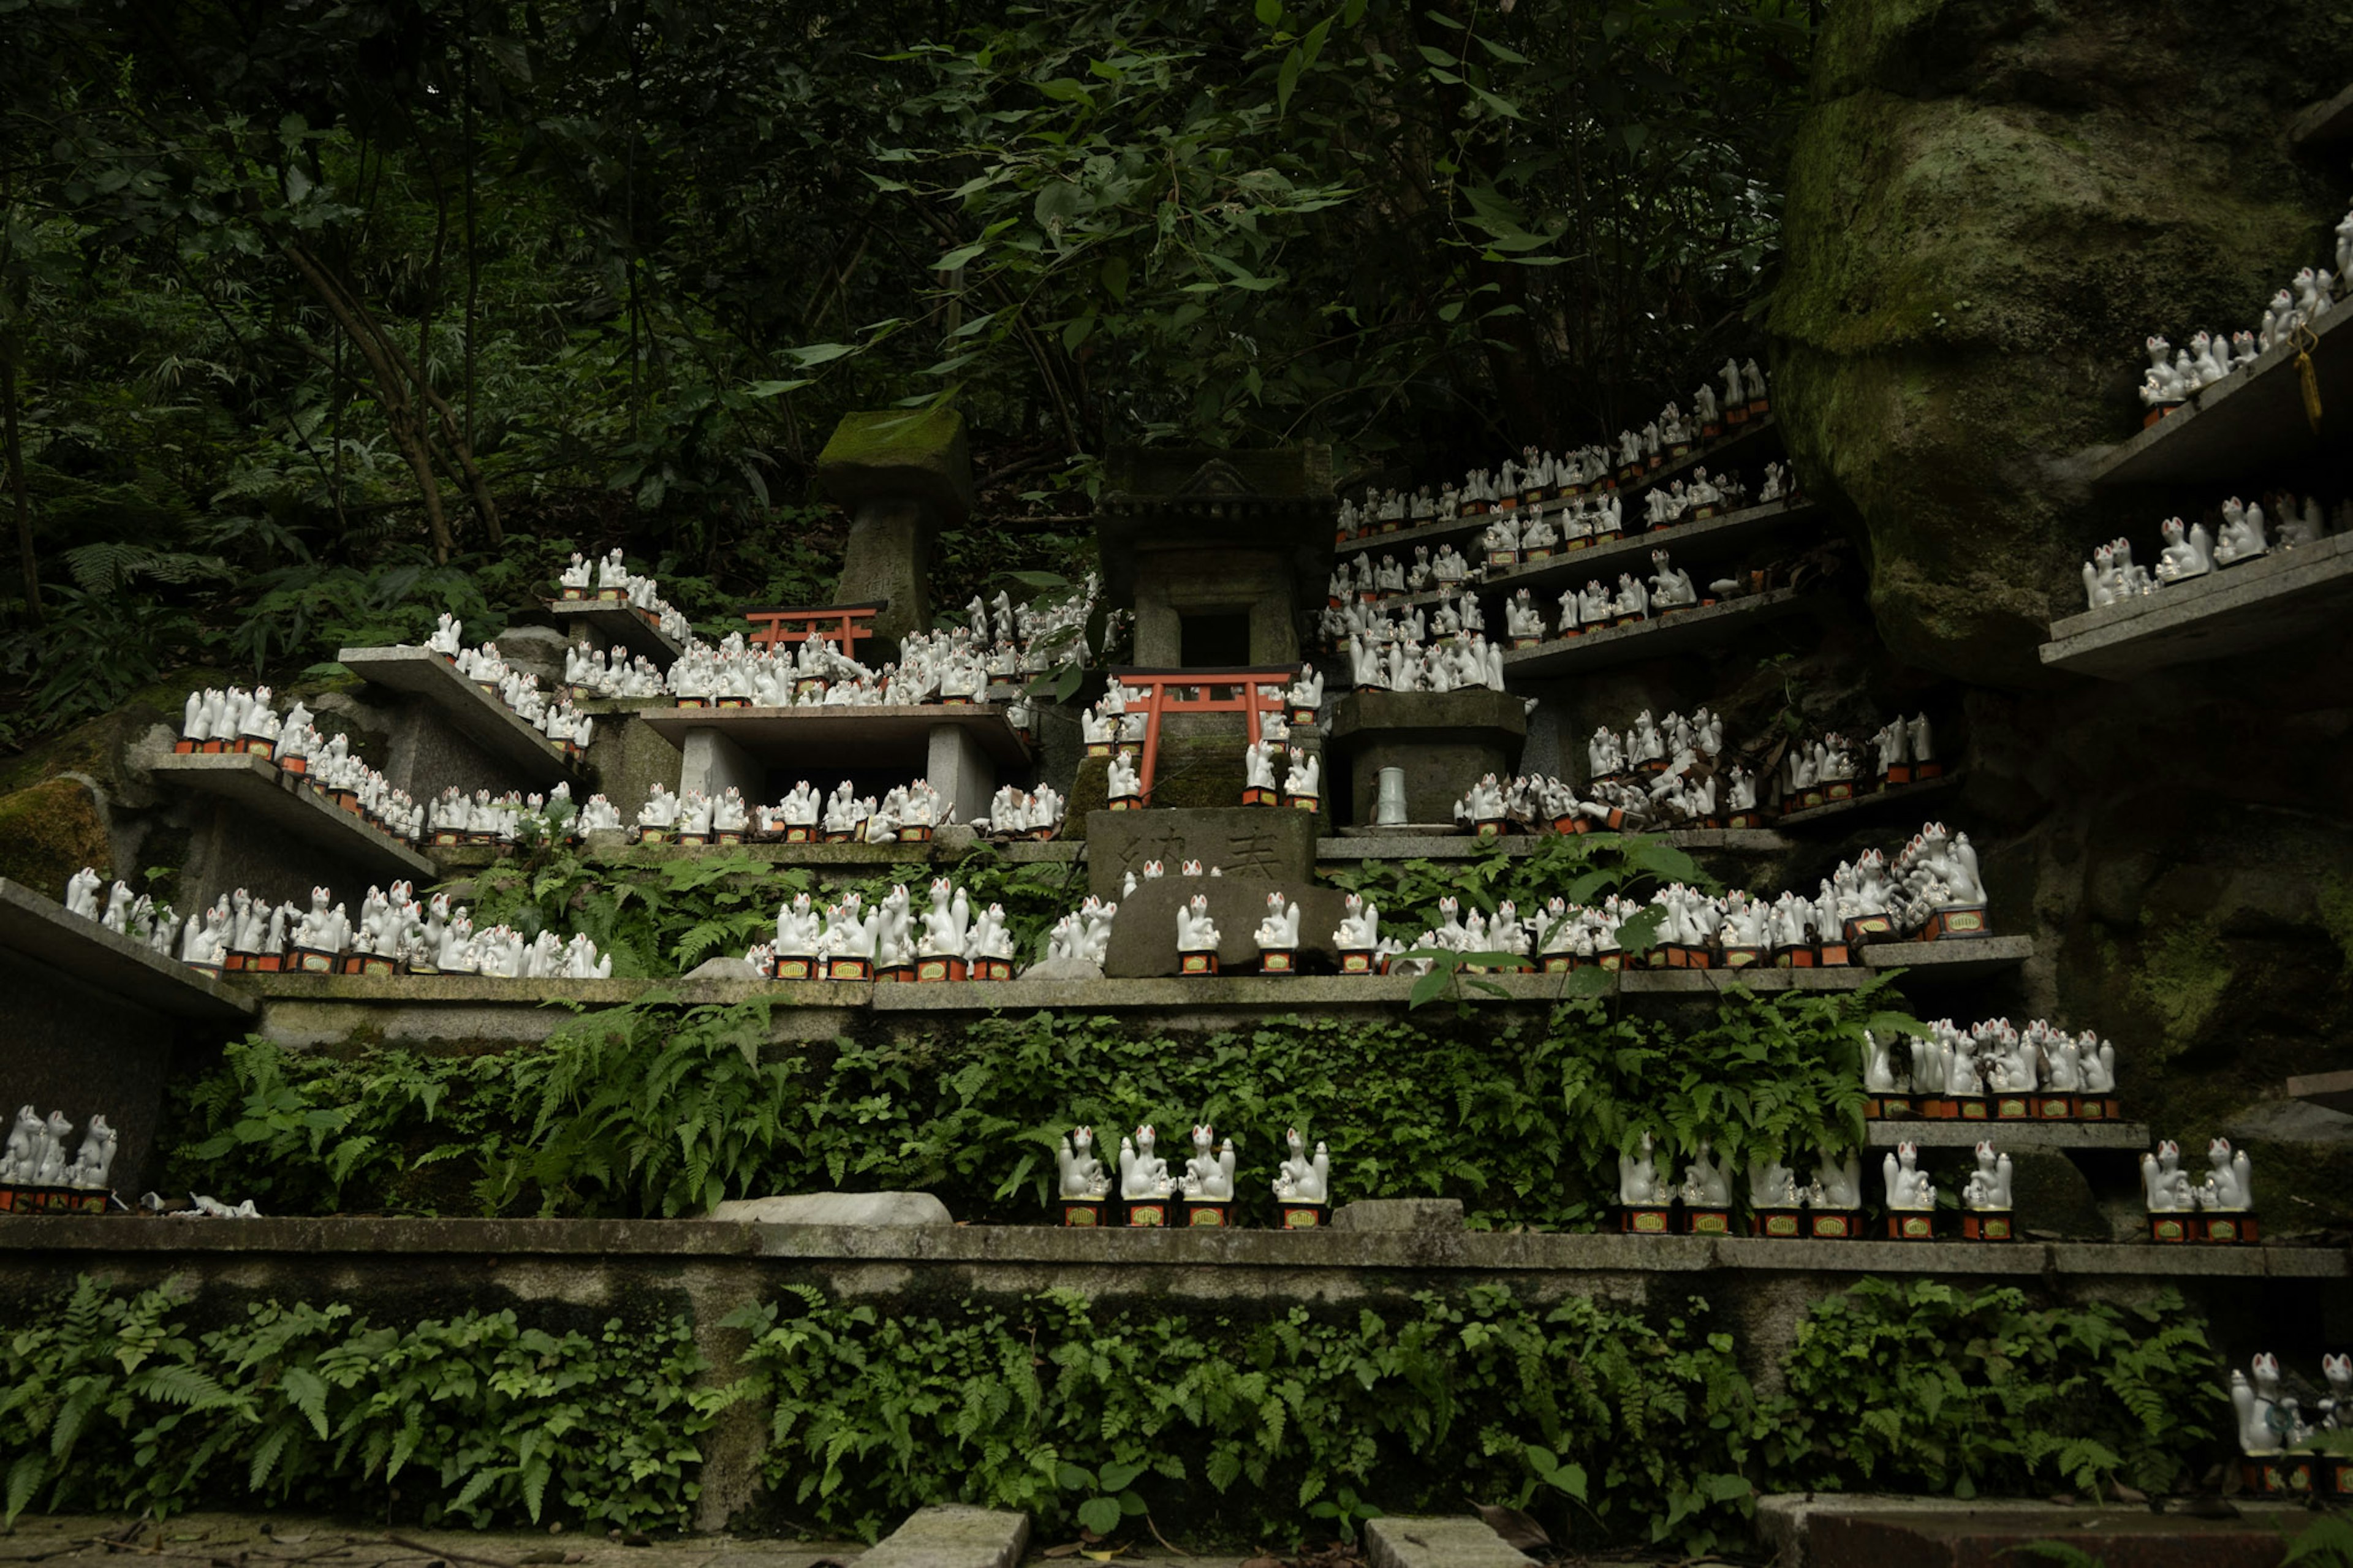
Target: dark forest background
318	318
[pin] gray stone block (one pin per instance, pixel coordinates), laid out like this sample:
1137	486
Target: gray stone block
1064	969
1400	1214
724	968
1402	1541
1269	842
953	1536
915	455
2049	1193
537	649
836	1208
1445	742
1144	936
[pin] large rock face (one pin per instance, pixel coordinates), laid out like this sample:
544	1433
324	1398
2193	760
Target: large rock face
1990	208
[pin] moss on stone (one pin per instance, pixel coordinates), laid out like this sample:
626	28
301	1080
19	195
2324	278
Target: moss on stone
2335	900
50	831
917	452
2183	977
1988	211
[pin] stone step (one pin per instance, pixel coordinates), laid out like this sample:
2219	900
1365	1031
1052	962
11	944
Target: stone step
602	623
1661	636
535	762
280	803
2288	594
2248	422
1450	1541
951	1536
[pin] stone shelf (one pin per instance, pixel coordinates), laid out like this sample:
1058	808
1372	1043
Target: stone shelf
1751	440
1658	638
2331	120
1952	958
949	845
315	1009
481	717
873	736
605	624
2007	1135
1470	845
396	1246
2284	594
1702	541
288	806
2330	1090
84	950
1894	795
2245	423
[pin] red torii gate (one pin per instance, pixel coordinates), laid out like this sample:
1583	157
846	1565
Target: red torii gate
1169	691
843	622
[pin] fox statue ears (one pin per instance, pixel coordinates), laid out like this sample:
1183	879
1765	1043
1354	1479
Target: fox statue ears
1083	1134
2168	1146
2220	1146
1202	1134
1144	1133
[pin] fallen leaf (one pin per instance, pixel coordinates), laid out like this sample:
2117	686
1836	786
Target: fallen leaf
1103	1556
1519	1531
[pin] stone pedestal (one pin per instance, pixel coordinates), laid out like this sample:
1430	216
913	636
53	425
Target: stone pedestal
1265	843
903	474
1445	742
1144	936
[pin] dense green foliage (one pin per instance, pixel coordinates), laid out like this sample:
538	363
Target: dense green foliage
655	1109
1051	1404
314	321
1926	1388
113	1403
1237	1425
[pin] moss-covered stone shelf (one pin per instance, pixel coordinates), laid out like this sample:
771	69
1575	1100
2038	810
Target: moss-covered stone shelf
283	803
2249	421
537	762
2285	595
1661	636
40	930
605	624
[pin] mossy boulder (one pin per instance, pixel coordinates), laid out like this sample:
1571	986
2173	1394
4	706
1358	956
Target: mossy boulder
1990	208
50	831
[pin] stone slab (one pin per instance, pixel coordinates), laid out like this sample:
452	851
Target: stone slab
489	723
1267	842
1707	539
1871	801
1443	742
1400	1214
835	1208
1173	1250
601	624
1991	1536
816	739
2331	1090
1454	1541
1954	958
1784	1520
2285	595
2008	1136
1658	638
280	1538
42	931
2330	120
282	802
953	1535
2246	423
1364	844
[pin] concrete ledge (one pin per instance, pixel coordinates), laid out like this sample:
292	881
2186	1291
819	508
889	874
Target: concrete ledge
2244	423
1894	795
951	1536
1368	846
1830	1529
1165	1253
284	801
1661	636
87	950
603	623
874	736
2008	1136
2286	593
1705	539
1402	1541
488	723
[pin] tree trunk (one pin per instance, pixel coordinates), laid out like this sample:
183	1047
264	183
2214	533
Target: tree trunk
400	411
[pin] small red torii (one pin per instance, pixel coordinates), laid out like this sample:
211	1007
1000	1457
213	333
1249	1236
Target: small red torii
1164	692
845	623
